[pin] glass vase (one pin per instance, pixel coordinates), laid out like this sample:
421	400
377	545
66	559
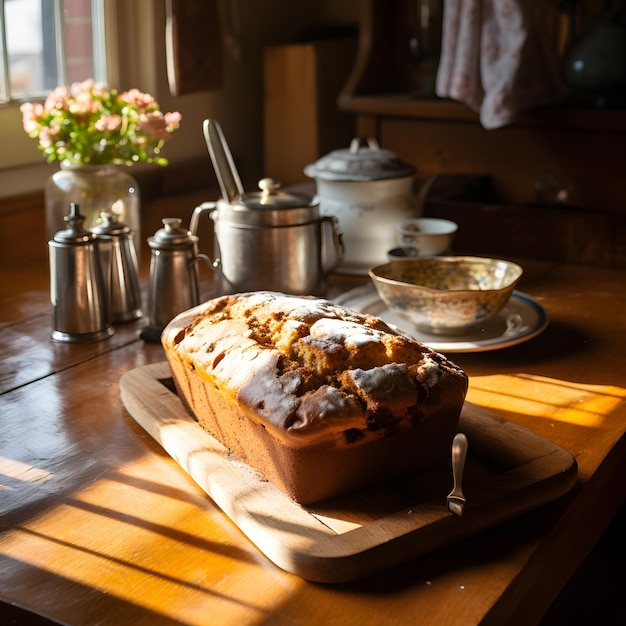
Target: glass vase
96	189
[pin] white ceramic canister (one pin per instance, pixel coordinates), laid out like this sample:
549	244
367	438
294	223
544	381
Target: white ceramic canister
368	190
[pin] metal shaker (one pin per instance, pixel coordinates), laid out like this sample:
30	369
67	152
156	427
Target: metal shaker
80	307
122	282
173	283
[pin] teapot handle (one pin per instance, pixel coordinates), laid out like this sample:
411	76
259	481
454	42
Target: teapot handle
198	212
332	243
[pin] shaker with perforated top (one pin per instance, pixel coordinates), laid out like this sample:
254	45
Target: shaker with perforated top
80	306
118	256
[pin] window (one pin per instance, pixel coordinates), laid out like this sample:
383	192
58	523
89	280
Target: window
122	31
44	43
47	43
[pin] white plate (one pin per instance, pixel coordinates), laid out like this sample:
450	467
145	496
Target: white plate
521	319
357	268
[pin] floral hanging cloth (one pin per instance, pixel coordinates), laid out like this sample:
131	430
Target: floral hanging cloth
500	57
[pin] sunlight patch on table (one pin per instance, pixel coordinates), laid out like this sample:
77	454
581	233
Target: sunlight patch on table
161	552
574	403
24	472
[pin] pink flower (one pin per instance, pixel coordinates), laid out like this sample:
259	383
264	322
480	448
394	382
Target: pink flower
57	99
30	113
47	136
80	108
76	89
108	122
100	90
86	102
134	96
154	125
173	119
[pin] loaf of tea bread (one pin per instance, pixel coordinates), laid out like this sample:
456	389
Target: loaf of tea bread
317	398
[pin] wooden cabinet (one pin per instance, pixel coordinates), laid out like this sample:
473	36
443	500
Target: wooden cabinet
564	163
301	121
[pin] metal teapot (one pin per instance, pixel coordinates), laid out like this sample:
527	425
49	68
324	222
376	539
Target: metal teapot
173	285
118	256
268	239
81	310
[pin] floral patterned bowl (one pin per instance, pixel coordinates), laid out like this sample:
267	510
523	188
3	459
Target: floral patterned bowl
445	295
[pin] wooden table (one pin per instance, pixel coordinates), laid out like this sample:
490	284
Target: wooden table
99	526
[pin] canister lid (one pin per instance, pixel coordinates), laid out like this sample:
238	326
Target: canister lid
271	197
75	233
359	163
110	226
270	207
172	235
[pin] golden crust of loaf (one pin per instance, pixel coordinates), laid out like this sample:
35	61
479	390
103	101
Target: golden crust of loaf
309	370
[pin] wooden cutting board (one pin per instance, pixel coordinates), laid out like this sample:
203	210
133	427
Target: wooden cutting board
509	470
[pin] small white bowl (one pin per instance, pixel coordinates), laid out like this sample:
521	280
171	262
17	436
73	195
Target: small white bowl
426	236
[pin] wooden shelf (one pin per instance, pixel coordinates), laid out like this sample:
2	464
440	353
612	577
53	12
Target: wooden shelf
403	105
567	115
